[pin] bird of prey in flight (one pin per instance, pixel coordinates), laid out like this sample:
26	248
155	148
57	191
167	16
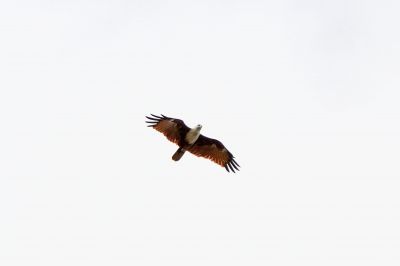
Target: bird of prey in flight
190	139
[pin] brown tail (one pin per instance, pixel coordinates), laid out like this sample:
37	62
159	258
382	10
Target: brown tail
178	154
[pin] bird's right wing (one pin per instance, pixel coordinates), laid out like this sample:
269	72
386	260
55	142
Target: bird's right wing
174	129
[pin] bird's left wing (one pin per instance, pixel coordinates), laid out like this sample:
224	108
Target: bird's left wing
215	151
174	129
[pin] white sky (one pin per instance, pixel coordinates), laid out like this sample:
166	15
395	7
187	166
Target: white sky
304	93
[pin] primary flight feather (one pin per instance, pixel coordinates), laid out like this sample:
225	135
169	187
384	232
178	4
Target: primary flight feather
190	139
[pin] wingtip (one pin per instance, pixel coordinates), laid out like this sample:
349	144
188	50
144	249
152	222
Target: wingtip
156	116
234	166
230	166
234	162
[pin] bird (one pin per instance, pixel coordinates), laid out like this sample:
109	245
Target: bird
190	139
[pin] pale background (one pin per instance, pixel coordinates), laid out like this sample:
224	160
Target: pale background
304	93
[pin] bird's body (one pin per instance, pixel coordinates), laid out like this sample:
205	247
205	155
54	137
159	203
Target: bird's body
190	139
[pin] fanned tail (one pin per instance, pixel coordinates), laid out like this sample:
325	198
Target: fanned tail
178	154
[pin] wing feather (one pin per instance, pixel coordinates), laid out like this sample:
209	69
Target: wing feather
174	129
215	151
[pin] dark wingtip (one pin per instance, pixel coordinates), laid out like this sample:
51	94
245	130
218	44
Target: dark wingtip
234	166
153	120
235	163
230	166
232	160
159	117
226	167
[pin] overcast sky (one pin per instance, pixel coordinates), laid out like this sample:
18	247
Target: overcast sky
305	94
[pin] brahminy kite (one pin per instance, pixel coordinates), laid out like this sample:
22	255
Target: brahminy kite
190	139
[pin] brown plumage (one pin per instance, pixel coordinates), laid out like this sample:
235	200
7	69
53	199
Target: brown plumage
177	132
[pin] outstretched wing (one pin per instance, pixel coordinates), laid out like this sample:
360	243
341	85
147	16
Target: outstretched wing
174	129
215	151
